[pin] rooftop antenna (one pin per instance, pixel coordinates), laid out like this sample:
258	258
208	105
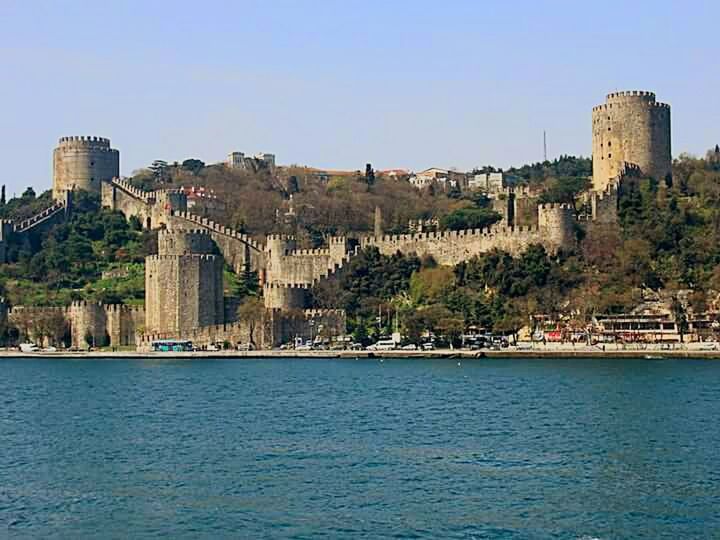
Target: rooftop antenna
544	146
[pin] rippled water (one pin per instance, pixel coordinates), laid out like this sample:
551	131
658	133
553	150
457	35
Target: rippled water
360	449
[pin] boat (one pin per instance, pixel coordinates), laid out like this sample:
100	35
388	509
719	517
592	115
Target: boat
653	357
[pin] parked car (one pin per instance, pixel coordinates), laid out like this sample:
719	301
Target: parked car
428	346
409	347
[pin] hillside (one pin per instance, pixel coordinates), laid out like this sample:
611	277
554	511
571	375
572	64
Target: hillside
667	240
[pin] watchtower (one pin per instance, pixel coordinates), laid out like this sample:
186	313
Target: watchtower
630	128
83	163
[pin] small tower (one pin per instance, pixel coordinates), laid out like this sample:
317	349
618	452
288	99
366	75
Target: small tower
377	222
630	128
83	163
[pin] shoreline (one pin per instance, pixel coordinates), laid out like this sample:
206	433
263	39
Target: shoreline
578	353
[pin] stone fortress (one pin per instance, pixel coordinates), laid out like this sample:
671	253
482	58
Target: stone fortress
184	281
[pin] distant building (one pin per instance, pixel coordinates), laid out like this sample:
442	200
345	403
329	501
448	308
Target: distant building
493	182
445	178
268	159
394	173
238	160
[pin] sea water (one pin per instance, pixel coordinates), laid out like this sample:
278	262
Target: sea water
296	448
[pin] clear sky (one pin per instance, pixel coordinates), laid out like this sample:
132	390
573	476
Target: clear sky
337	84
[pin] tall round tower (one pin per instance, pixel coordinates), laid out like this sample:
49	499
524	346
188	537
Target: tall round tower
82	163
630	127
183	283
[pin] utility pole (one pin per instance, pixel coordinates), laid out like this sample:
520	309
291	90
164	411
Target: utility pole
544	145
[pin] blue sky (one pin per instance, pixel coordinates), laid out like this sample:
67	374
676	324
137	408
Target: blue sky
337	84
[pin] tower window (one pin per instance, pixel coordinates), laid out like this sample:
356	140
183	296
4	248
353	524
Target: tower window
609	156
609	143
608	128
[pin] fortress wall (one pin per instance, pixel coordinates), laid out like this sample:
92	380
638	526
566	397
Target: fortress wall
325	322
286	296
451	248
239	250
526	214
185	242
555	230
87	319
300	268
123	322
275	328
129	203
288	265
604	205
93	320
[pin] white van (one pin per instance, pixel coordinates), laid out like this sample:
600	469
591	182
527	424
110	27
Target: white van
382	345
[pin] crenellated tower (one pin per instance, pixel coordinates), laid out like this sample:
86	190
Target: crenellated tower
630	129
83	163
183	283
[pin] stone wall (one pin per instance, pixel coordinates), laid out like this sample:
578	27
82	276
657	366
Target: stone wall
286	295
86	321
273	328
83	163
239	250
630	127
555	230
287	265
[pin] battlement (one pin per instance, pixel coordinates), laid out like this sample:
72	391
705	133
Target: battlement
75	141
132	190
307	252
217	228
123	308
38	218
337	240
314	313
643	94
659	105
286	286
450	236
280	237
161	258
169	233
550	207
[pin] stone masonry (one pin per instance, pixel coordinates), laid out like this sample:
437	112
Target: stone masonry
630	128
183	283
83	163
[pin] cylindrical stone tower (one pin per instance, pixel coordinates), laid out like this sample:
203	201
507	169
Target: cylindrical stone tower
82	163
630	127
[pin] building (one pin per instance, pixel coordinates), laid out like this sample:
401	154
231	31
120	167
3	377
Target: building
83	163
445	178
261	160
492	182
630	129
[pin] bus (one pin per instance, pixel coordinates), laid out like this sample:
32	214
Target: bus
172	345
